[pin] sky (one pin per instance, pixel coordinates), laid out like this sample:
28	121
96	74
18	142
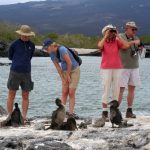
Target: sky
5	2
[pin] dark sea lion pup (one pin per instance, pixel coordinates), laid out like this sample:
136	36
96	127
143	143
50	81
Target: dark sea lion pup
115	114
70	125
58	115
14	119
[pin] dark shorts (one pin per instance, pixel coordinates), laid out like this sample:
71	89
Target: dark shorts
19	79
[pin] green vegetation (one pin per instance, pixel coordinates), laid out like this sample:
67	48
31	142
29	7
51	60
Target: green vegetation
145	38
7	35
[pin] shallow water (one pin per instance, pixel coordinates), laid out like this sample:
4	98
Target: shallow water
47	86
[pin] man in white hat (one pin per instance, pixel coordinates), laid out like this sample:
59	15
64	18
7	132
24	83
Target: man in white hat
20	53
130	60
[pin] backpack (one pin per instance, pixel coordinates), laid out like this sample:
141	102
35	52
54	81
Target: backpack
74	53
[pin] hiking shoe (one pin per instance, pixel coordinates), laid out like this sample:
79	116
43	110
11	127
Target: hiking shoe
105	115
75	116
129	113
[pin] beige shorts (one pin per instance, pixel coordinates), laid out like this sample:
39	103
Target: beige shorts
75	77
130	77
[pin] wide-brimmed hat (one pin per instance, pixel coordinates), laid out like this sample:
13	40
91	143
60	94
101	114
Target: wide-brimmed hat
131	24
108	27
25	30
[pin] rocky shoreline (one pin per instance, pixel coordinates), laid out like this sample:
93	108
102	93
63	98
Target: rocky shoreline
34	137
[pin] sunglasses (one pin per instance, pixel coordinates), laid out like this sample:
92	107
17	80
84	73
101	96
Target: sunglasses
134	29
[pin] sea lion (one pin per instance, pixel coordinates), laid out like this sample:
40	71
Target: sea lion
70	125
115	114
58	115
14	119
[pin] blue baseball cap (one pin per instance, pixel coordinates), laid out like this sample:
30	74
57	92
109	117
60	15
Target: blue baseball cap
46	43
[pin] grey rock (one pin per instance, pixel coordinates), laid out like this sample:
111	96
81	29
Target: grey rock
39	126
83	125
99	122
88	121
2	111
49	145
11	143
133	138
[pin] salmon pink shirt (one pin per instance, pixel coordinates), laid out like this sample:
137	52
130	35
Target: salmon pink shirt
111	55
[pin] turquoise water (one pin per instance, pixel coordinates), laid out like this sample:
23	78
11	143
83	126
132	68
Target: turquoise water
47	86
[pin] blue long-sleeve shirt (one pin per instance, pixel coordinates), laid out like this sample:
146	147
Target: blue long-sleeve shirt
20	53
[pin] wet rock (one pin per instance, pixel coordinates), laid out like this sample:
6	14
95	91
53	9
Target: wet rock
11	143
88	121
47	145
146	147
100	122
83	125
2	111
39	126
137	140
27	137
91	144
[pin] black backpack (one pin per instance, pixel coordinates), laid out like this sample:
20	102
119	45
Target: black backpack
74	53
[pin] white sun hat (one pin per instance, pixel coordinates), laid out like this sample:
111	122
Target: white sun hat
131	24
107	27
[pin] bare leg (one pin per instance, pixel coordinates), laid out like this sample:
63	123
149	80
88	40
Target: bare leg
121	94
130	96
104	106
10	101
25	103
71	100
65	92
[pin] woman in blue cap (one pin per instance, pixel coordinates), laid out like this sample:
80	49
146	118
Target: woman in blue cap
69	71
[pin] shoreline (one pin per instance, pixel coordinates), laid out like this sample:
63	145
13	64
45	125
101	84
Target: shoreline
35	137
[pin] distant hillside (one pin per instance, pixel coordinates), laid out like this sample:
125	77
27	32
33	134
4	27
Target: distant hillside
78	16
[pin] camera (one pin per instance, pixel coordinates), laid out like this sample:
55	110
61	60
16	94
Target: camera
112	31
135	51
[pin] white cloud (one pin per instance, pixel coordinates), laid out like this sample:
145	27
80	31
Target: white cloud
5	2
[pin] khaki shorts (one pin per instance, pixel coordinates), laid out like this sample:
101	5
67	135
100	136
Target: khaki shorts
75	77
130	77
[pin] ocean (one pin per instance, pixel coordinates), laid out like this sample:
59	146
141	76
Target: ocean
47	87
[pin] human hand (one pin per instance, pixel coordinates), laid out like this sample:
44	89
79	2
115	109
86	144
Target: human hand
63	80
68	78
117	34
137	42
106	35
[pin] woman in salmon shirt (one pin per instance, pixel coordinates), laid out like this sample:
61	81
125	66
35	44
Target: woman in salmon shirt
111	65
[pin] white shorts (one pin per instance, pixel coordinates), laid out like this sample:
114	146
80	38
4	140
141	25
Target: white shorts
130	77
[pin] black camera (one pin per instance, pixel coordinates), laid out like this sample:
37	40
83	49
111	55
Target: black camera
134	51
112	31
